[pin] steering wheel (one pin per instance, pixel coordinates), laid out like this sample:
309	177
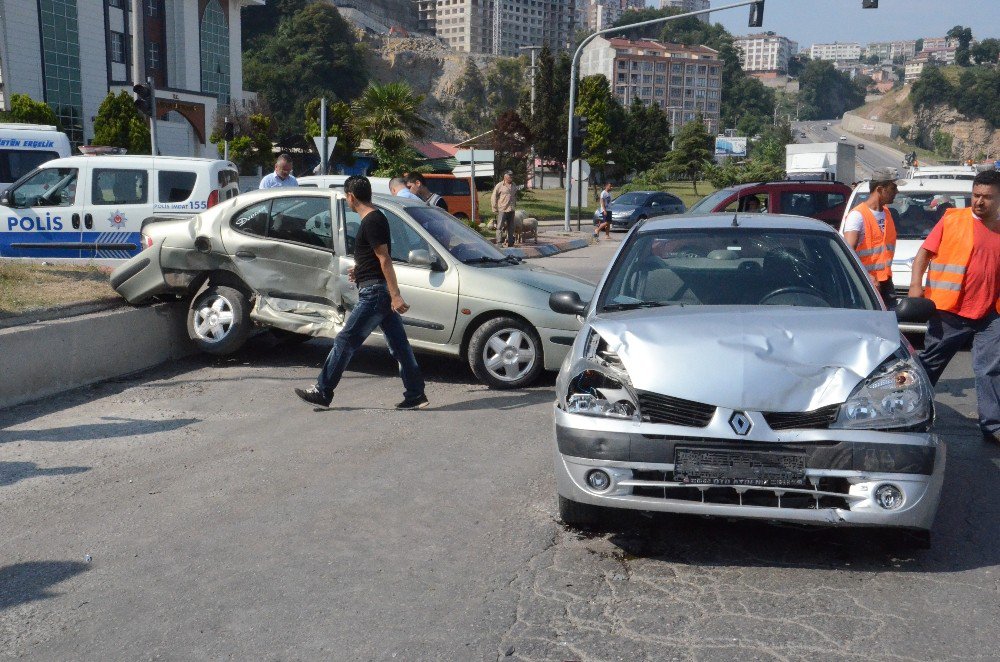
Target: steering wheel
791	291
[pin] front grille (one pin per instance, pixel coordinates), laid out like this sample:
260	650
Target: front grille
817	419
656	408
821	493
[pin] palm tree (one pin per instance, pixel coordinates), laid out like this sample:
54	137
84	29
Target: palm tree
389	115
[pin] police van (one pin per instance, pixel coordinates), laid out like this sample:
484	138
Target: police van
94	207
24	147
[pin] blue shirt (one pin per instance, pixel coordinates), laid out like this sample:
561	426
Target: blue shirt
272	181
407	193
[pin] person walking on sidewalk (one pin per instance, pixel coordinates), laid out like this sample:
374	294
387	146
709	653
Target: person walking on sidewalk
503	201
870	231
605	222
963	253
379	305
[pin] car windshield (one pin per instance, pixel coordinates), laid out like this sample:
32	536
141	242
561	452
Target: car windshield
634	199
709	202
736	266
917	212
464	243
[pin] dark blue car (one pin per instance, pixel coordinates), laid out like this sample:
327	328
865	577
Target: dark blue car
630	208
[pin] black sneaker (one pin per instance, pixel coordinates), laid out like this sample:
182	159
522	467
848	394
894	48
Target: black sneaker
314	396
418	402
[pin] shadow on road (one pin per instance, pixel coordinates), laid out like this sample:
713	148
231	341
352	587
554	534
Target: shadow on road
12	472
116	427
26	582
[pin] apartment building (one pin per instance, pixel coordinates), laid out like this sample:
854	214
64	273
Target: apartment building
71	53
687	5
682	80
835	52
765	52
499	27
934	43
600	14
888	51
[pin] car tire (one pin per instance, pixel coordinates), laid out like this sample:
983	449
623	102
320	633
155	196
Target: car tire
505	353
226	332
583	515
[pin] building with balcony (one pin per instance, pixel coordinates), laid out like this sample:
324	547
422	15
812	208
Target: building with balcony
836	52
765	53
596	15
499	27
887	51
72	53
934	43
684	81
686	6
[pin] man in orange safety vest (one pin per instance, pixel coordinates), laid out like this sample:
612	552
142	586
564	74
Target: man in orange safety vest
962	253
870	230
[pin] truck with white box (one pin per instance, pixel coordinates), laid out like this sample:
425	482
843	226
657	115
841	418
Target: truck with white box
826	161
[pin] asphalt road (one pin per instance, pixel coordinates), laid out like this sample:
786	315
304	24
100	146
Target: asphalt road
200	511
873	156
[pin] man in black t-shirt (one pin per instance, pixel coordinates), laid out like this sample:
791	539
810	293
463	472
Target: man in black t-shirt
379	305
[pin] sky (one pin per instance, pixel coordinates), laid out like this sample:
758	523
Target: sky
825	21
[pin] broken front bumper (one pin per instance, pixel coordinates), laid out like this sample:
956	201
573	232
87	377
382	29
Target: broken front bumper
843	470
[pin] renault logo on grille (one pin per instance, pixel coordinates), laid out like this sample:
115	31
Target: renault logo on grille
740	423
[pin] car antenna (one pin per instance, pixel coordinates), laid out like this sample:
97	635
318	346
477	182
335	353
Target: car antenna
735	219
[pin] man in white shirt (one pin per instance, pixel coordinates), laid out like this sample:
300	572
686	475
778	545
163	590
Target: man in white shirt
282	175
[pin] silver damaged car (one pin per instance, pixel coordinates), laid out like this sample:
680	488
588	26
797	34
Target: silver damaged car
280	259
744	367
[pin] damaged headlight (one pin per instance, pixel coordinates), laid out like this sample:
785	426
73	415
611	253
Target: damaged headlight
896	395
603	387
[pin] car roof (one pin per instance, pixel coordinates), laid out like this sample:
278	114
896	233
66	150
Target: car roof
133	160
926	184
786	182
749	220
290	191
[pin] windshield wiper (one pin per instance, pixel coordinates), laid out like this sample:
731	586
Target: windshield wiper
634	305
508	259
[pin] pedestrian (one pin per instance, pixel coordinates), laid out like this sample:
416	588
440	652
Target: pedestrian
963	253
503	202
418	186
282	175
604	222
870	231
397	186
751	204
379	305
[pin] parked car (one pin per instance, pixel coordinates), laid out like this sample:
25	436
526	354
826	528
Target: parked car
280	258
744	366
861	145
822	200
630	208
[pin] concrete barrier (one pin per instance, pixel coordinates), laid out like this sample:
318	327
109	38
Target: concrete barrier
43	358
860	125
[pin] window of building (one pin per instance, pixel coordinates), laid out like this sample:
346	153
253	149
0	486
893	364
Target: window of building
622	64
702	82
689	104
61	64
690	69
689	81
712	106
152	8
675	92
152	56
646	91
658	92
702	69
660	80
676	80
713	71
118	47
647	66
116	3
215	52
647	78
676	68
661	66
621	78
714	82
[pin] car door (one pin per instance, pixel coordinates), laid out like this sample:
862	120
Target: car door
118	201
282	247
42	215
675	204
431	293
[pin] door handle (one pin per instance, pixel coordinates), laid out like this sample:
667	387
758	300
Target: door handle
75	218
246	255
88	221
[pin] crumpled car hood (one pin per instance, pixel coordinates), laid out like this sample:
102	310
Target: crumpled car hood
755	358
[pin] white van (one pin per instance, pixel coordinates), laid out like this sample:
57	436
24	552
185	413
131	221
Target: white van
94	207
379	184
24	147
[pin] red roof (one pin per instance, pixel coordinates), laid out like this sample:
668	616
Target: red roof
436	150
653	44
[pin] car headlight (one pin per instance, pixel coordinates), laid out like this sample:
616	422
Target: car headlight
620	214
602	387
896	395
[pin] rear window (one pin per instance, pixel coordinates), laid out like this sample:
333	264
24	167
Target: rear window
16	163
710	202
176	186
227	177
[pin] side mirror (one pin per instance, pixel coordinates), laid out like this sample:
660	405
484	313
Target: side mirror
4	200
915	310
419	258
567	303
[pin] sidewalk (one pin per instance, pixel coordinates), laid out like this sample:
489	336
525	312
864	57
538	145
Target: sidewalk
552	239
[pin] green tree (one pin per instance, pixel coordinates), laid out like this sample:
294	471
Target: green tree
469	100
986	51
511	145
24	109
505	87
825	92
389	115
596	104
976	94
692	152
260	21
119	124
942	143
312	53
964	38
550	142
919	44
690	30
644	139
251	146
339	123
931	89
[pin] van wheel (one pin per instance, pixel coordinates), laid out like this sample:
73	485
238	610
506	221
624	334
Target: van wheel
219	320
505	353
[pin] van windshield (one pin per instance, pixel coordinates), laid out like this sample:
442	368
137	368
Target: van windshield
16	163
917	212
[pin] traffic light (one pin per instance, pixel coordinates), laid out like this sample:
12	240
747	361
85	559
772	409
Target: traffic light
228	131
869	4
143	99
579	133
756	14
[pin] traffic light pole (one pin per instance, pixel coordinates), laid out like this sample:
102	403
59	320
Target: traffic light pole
152	116
574	69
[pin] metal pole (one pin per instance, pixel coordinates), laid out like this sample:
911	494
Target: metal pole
152	117
579	192
225	144
472	194
322	132
576	66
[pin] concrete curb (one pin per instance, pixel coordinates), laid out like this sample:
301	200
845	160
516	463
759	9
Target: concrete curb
545	250
61	312
89	348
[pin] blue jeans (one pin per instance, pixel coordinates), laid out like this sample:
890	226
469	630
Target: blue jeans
373	310
948	333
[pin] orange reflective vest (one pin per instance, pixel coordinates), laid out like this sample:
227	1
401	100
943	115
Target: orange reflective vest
877	247
946	272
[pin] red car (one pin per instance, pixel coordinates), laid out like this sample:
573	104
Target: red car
816	199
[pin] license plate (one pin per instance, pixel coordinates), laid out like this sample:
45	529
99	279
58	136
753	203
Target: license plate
700	466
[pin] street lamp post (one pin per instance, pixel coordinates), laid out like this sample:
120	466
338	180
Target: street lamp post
576	65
